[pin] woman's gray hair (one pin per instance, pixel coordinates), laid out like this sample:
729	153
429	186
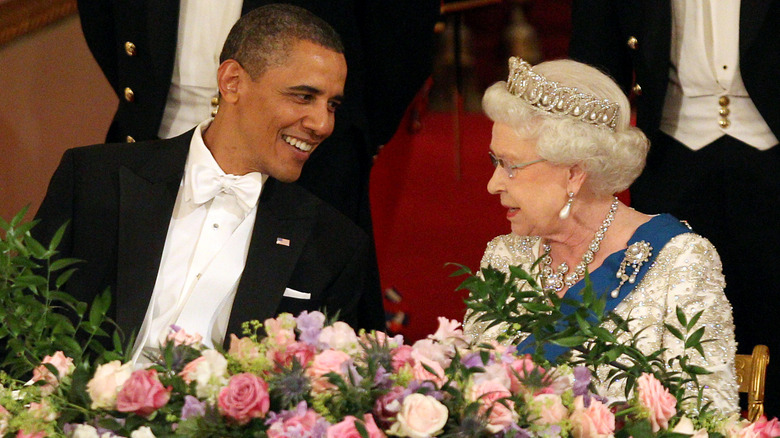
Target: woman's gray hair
612	160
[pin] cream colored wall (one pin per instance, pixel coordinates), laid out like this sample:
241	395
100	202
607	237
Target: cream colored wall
53	96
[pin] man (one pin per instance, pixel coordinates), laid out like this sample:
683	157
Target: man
703	75
160	58
205	230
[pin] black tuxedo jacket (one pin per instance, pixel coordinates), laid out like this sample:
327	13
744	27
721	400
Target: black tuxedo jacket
119	199
601	30
388	46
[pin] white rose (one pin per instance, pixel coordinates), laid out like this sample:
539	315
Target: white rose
420	416
340	336
142	432
686	426
211	374
107	382
84	431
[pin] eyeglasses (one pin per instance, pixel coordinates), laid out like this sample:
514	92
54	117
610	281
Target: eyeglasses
510	168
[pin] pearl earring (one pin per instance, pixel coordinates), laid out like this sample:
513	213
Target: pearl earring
566	210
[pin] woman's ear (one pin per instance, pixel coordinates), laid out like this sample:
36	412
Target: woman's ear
576	178
229	76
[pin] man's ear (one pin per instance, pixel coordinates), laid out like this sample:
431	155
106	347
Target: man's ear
576	178
229	76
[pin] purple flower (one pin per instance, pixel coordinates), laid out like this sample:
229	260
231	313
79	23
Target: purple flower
192	408
472	360
310	326
382	378
581	381
552	431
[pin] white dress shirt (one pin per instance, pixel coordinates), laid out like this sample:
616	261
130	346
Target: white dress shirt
203	28
203	257
705	68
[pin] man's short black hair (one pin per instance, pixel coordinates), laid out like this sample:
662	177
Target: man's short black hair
264	37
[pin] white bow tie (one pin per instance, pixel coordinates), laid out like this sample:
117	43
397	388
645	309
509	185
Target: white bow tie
206	183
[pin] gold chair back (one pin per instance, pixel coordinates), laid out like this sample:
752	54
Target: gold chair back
751	378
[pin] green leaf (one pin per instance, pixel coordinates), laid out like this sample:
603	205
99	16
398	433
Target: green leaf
55	240
63	263
571	341
681	317
694	338
674	331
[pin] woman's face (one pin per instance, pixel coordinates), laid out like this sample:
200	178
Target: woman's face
535	194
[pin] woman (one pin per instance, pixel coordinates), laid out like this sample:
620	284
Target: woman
562	146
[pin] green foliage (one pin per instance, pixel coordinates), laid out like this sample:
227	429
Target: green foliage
38	317
600	339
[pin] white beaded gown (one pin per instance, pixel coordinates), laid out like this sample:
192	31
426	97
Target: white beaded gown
686	272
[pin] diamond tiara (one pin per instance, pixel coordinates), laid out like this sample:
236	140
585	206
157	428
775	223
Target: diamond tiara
554	98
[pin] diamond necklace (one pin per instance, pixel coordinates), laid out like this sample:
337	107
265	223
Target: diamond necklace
556	279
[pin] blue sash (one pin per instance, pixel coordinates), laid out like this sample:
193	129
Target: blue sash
658	231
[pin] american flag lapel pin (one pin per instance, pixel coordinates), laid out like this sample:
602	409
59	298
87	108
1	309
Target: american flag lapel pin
282	241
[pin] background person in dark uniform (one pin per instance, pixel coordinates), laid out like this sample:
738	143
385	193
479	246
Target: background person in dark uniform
704	79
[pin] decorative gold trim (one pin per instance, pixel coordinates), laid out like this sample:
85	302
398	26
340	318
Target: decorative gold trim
20	17
751	378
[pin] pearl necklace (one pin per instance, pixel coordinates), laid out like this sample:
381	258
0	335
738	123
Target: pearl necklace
556	279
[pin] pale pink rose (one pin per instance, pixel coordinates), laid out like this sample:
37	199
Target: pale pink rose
43	411
595	421
449	332
181	337
62	363
84	431
402	356
685	425
421	367
105	384
298	425
659	402
244	398
301	351
188	372
420	416
243	349
340	336
142	393
550	409
761	428
494	396
280	331
434	351
142	432
733	426
324	363
346	428
23	434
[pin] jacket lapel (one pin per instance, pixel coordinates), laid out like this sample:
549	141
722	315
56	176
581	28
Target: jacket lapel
147	194
283	212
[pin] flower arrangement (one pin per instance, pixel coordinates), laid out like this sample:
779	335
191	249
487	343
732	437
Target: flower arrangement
308	376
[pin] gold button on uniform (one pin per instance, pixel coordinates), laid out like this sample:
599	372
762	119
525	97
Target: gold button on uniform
637	89
129	95
130	48
723	111
632	43
724	123
130	139
214	101
724	100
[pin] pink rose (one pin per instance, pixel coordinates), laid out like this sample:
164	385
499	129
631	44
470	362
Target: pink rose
104	385
142	393
494	396
761	429
551	409
243	349
449	332
181	337
519	369
328	361
244	398
657	400
62	363
595	421
303	352
347	429
298	425
421	367
23	434
387	405
402	356
420	416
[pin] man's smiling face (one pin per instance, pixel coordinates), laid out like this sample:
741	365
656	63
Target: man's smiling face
285	113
